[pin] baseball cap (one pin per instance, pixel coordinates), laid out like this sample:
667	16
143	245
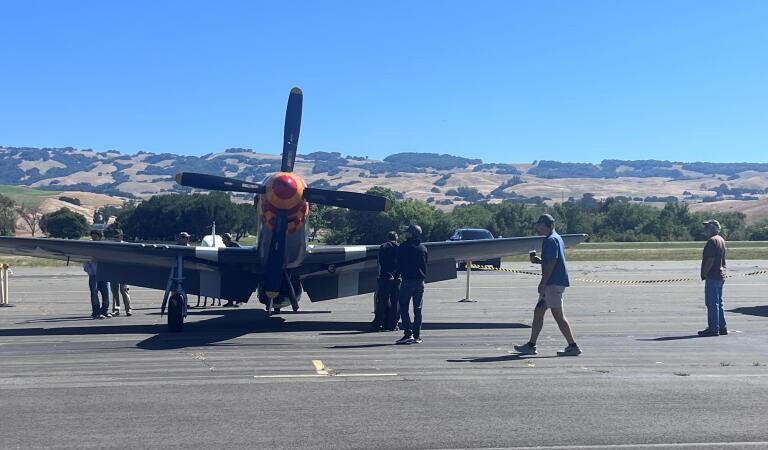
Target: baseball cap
712	222
227	235
183	234
413	229
546	219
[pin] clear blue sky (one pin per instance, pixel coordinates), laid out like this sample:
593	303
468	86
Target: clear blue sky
505	81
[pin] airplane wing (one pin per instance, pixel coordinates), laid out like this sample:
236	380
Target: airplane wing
341	271
210	271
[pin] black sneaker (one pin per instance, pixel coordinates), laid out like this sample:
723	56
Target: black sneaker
571	350
417	340
707	332
405	340
723	331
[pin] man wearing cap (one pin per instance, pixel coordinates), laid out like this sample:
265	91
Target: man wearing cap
554	280
183	239
120	290
412	258
713	274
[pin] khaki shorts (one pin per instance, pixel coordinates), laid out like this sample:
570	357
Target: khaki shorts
552	298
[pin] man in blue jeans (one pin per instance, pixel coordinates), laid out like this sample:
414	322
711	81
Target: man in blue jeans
713	274
412	257
97	287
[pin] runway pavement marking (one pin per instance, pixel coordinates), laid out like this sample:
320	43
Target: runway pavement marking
323	371
338	375
320	368
633	446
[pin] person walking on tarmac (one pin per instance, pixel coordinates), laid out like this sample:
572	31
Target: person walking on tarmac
386	307
412	258
554	280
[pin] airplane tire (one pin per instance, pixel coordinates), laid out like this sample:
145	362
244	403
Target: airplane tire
295	307
175	313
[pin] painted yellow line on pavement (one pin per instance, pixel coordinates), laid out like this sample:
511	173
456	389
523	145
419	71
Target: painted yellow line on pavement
340	375
320	367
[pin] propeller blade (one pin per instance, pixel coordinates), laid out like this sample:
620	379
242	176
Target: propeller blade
276	257
292	128
215	183
351	200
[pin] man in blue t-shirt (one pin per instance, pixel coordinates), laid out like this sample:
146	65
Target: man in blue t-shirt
554	280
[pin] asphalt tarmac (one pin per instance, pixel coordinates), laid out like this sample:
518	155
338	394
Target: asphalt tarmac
236	378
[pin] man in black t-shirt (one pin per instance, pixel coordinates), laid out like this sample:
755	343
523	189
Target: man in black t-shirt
412	258
386	308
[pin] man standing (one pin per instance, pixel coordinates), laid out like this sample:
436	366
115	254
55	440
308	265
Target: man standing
228	242
97	287
183	239
713	274
119	290
386	309
412	258
554	280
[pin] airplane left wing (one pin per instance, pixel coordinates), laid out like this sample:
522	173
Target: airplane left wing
341	271
207	270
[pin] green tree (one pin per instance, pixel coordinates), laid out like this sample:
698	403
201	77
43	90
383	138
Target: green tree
758	231
8	216
64	223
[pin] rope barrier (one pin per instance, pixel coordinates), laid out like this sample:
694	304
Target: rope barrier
585	280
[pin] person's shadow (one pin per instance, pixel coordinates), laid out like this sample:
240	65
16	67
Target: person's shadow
502	358
671	338
761	311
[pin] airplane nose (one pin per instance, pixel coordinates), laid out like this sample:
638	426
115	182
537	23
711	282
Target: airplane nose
285	187
285	190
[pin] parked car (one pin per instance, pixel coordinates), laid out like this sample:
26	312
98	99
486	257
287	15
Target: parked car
471	234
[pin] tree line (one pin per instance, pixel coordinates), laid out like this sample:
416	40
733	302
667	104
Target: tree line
162	217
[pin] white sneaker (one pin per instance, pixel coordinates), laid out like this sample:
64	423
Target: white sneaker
526	349
571	350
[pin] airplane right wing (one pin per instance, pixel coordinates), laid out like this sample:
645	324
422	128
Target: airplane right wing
342	271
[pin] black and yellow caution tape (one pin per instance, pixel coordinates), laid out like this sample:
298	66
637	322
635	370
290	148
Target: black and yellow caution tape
585	280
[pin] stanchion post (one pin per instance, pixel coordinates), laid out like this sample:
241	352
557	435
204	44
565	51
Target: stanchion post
4	297
468	299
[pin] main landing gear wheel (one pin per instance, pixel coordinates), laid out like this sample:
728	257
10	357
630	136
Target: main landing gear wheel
277	311
175	313
294	307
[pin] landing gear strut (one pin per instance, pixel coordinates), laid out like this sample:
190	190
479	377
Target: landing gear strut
177	303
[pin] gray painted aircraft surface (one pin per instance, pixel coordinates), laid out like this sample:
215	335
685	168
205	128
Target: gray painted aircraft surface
282	265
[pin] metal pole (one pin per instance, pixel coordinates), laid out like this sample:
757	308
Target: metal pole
468	299
4	294
3	300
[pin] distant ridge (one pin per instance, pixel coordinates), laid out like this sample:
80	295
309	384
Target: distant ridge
441	179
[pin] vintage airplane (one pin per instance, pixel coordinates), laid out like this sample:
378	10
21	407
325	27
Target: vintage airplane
282	265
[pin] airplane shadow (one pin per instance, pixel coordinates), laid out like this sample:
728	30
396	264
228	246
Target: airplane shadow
510	357
223	326
761	310
671	338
